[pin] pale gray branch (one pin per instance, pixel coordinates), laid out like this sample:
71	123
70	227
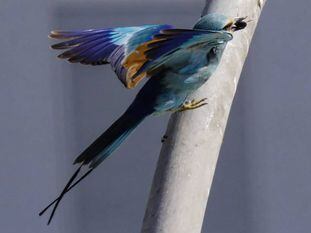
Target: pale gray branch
188	158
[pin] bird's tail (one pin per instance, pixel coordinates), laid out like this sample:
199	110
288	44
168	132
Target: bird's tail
111	139
100	149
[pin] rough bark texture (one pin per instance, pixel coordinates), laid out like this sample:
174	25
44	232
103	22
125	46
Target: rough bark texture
188	158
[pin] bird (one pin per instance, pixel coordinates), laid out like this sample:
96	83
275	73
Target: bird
174	62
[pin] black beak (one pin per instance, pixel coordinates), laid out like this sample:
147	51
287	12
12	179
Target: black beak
239	24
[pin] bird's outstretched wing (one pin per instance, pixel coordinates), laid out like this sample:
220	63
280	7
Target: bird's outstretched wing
149	57
103	46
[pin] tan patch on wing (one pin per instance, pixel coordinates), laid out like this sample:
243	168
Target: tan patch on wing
135	61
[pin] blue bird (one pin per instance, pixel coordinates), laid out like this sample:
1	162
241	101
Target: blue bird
176	62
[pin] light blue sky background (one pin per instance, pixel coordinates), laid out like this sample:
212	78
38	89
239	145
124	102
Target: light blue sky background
51	110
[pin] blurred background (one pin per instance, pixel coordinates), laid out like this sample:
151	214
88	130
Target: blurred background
50	111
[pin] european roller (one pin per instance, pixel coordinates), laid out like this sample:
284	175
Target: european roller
175	62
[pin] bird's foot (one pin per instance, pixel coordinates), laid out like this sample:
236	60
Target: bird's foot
193	104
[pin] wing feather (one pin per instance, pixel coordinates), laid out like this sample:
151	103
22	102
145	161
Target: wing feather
147	57
102	46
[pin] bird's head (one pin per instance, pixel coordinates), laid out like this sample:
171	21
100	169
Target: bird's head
217	22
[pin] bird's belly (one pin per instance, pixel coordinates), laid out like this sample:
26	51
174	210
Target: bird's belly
189	81
197	79
168	101
179	86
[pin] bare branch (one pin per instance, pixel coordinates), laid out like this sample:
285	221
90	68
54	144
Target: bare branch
188	158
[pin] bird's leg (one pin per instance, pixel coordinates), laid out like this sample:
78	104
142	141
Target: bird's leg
193	104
